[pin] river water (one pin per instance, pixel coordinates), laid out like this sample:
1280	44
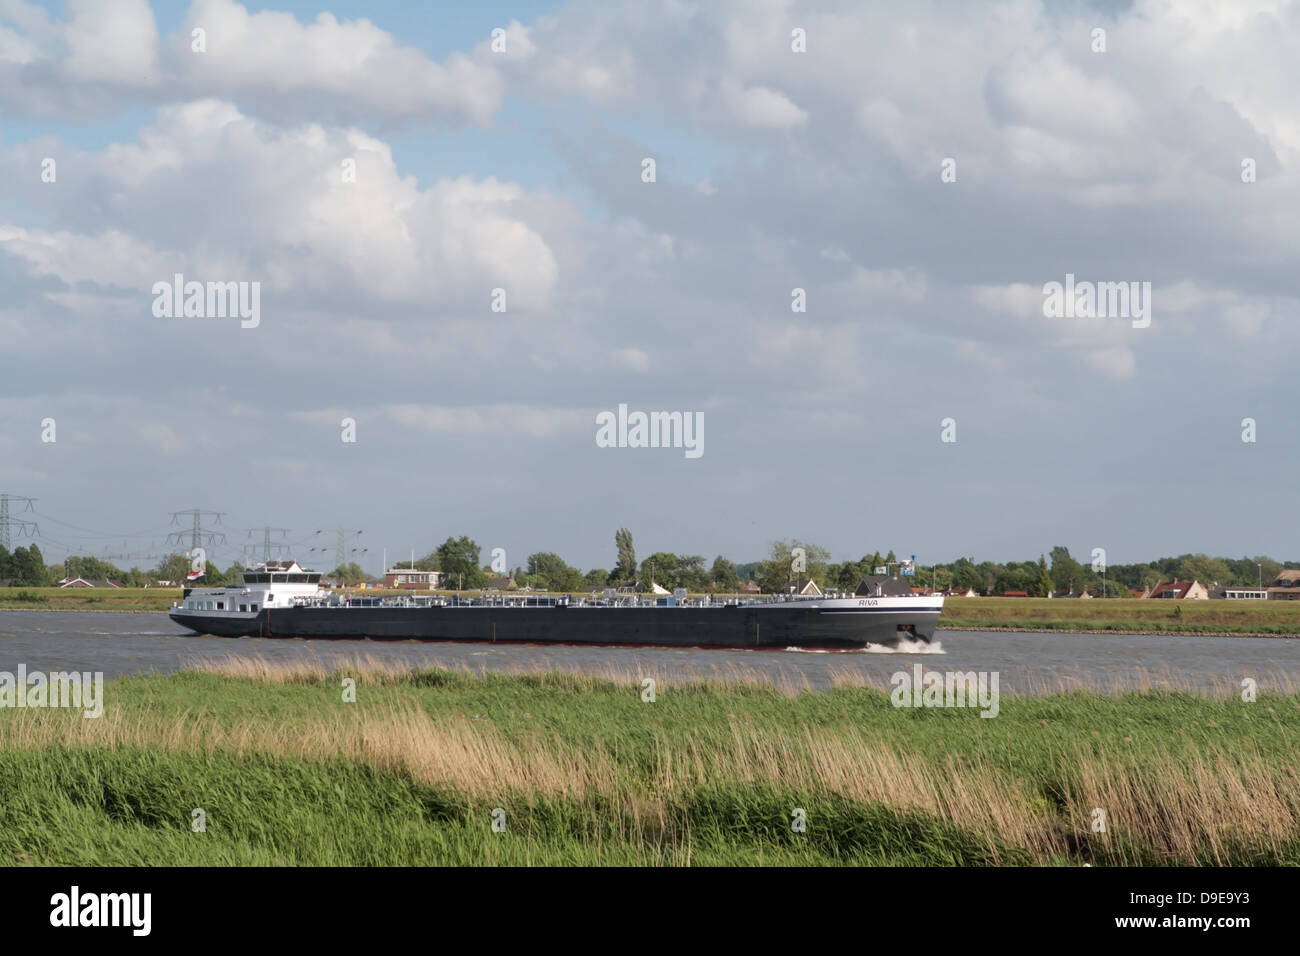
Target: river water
122	644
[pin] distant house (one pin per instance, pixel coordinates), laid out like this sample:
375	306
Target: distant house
1015	594
957	592
503	583
1070	594
410	579
1180	590
749	587
91	583
877	585
807	588
1285	587
1241	594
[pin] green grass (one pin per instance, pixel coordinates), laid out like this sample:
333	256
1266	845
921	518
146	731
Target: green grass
588	773
134	808
1273	618
97	599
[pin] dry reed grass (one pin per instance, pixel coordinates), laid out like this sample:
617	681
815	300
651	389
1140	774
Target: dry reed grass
1178	807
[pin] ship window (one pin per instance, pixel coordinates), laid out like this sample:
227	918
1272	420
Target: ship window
253	608
221	605
243	607
269	598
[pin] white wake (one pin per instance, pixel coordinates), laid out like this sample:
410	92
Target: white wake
902	647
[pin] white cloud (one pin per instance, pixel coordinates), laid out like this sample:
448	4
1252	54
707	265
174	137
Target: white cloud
1018	299
115	43
102	55
768	109
382	238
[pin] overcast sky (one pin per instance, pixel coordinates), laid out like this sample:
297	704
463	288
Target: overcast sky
479	169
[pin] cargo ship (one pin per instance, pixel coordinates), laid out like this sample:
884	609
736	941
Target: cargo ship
285	600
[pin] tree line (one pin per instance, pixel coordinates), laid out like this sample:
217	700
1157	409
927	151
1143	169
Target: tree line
794	561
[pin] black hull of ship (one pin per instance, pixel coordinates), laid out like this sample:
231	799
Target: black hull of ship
761	626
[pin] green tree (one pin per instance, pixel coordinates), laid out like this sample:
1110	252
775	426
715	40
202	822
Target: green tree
458	560
1042	585
1012	577
780	567
625	566
596	578
1067	573
350	573
966	575
29	567
942	578
722	576
843	576
660	568
691	573
549	570
92	569
1265	568
1203	568
174	567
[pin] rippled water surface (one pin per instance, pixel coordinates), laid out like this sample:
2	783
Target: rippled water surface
121	644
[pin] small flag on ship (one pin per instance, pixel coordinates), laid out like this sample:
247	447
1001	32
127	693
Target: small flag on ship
194	575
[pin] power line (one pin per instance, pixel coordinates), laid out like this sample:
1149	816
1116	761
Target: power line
25	528
92	533
341	551
197	532
267	546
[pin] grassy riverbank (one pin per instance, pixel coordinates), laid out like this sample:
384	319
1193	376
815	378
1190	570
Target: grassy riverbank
88	599
1271	618
587	773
